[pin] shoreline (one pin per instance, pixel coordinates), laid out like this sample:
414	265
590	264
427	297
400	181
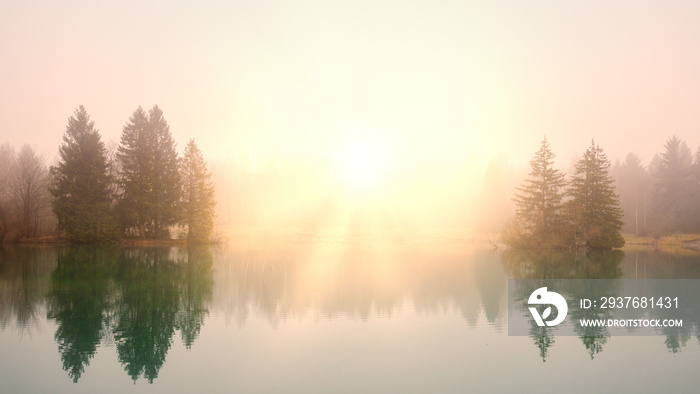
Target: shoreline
56	241
688	241
682	240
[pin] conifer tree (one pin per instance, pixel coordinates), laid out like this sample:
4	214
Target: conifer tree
149	175
539	202
166	185
80	183
594	207
135	173
197	195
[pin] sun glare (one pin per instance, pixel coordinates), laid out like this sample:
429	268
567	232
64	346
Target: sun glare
362	164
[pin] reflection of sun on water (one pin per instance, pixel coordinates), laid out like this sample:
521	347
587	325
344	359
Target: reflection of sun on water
362	164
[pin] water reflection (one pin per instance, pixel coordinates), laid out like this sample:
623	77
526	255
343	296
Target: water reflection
139	300
137	297
24	274
563	265
79	301
636	266
281	283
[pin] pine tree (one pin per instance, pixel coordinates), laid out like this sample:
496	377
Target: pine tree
149	175
166	185
80	184
197	195
539	203
594	208
135	173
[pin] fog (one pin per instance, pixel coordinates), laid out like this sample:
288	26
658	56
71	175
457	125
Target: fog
434	94
436	80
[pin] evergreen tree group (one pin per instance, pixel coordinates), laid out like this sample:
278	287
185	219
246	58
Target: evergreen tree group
147	175
584	213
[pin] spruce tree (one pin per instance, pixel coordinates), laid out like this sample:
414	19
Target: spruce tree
594	207
197	195
539	202
165	185
149	175
80	183
135	173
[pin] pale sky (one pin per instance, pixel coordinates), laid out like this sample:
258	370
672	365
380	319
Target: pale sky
434	80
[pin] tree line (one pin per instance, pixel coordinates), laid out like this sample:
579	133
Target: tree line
664	196
579	214
142	189
658	199
143	181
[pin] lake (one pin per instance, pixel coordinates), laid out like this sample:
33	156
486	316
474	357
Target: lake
349	316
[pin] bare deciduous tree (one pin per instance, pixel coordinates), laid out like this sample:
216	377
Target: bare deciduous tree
28	189
7	158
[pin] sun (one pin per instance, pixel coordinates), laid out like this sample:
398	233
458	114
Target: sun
362	164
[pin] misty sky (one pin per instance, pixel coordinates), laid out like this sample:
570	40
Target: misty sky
434	80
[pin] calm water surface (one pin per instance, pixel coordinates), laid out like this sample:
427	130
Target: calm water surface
315	317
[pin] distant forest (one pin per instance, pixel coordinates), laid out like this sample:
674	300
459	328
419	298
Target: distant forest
664	196
142	188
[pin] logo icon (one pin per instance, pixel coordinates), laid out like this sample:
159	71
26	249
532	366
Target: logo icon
543	297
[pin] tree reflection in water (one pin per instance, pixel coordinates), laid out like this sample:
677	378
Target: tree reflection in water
563	265
24	273
139	297
280	283
79	302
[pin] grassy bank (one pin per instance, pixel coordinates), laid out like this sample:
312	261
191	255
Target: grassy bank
676	239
